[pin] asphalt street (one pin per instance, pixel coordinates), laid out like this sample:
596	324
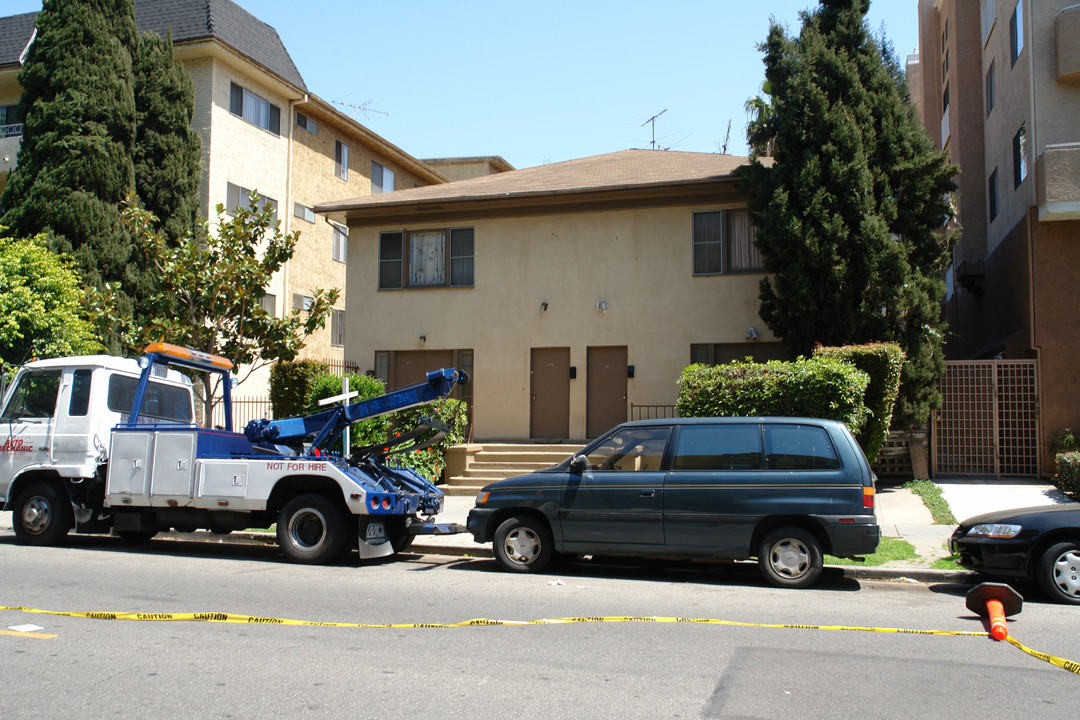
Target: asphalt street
92	668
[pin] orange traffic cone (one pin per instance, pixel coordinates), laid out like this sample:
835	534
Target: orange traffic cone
995	601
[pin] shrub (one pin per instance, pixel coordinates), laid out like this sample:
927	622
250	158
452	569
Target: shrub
1068	473
883	362
821	387
430	462
365	432
291	386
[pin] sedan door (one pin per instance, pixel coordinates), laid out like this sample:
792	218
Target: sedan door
617	498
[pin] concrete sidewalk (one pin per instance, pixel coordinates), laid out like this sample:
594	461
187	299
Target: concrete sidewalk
900	513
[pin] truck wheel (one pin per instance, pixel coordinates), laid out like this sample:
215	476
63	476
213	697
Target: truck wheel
790	557
523	544
42	515
1058	572
400	537
312	529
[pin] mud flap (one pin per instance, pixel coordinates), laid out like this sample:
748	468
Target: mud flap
374	542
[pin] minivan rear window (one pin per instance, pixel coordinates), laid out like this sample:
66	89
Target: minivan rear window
719	447
161	402
799	447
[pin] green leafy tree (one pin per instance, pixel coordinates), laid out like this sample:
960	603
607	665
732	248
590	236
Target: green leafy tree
167	150
849	213
79	127
211	287
41	312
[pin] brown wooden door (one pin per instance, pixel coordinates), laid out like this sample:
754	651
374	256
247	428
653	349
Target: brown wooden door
605	404
549	413
411	367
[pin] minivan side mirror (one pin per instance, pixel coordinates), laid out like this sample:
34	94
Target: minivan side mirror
578	464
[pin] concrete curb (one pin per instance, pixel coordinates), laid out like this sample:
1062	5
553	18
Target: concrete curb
922	575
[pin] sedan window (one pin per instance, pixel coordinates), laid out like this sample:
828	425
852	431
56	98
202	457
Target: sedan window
630	449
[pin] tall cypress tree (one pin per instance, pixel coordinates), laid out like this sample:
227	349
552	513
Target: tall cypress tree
167	154
849	214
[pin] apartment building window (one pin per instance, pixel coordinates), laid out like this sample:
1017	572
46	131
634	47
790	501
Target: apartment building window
303	121
303	303
382	179
237	197
945	67
268	302
1016	31
255	109
724	243
992	195
990	79
10	123
341	160
304	212
1020	159
427	258
337	328
945	99
988	17
945	34
339	243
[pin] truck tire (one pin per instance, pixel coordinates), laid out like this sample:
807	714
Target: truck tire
312	530
790	557
42	514
523	544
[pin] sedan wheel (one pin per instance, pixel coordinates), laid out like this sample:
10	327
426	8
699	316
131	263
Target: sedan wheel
1059	572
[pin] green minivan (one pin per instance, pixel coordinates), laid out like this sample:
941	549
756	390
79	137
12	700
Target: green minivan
783	490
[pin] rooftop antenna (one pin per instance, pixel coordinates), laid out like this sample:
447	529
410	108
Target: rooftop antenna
727	136
363	108
653	121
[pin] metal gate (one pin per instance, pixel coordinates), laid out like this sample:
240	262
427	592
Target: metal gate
988	423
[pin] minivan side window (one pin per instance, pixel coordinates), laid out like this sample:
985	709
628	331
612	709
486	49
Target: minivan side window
799	447
718	447
34	397
631	449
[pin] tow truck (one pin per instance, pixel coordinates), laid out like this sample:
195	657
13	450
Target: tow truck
100	444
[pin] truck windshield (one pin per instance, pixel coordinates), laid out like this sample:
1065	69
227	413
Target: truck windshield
161	402
34	396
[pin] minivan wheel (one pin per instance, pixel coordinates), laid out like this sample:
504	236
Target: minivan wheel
1059	572
790	557
523	544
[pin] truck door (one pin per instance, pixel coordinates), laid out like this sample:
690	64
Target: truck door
26	424
72	443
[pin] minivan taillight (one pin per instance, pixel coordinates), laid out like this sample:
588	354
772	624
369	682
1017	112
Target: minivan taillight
868	497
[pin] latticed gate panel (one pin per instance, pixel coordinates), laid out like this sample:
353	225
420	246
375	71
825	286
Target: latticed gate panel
988	423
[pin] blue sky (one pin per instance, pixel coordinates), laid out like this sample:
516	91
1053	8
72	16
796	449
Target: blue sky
542	82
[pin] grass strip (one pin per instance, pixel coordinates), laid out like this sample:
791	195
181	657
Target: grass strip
933	500
888	549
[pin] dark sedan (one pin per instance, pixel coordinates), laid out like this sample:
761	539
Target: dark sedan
1038	543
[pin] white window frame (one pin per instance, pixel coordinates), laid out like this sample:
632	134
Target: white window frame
254	108
337	327
339	243
382	178
341	160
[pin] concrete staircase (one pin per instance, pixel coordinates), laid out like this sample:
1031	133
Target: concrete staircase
470	467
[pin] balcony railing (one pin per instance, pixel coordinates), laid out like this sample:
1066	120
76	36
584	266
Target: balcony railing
12	130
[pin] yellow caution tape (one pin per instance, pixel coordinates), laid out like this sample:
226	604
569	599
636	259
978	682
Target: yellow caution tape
223	617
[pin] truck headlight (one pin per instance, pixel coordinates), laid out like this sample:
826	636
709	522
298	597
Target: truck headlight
995	530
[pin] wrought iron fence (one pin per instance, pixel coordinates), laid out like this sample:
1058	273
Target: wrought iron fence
244	411
652	412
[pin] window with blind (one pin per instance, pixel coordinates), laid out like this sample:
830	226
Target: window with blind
426	259
237	197
382	179
254	108
724	243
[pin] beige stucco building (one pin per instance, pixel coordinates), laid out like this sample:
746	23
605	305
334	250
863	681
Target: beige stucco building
573	293
261	130
1000	91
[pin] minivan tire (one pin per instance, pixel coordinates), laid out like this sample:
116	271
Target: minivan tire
790	557
523	544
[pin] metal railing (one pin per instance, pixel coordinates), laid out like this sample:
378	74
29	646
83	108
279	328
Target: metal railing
244	411
652	412
11	130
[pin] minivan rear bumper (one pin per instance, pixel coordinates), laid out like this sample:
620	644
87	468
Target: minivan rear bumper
860	537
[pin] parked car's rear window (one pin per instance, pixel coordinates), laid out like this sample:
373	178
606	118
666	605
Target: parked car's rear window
719	447
799	447
631	449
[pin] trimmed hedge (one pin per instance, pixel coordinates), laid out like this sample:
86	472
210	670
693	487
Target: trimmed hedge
821	387
1068	473
291	386
883	362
